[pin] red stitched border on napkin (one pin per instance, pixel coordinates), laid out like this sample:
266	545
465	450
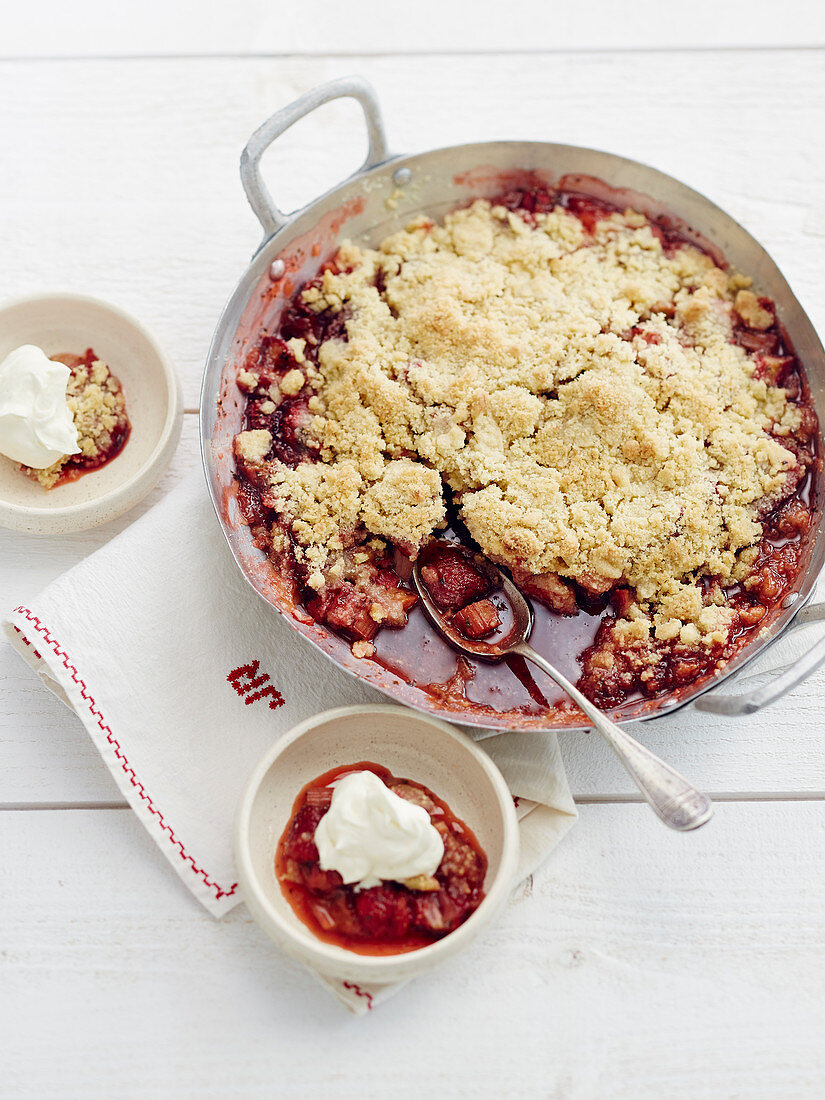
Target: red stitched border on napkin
359	992
124	763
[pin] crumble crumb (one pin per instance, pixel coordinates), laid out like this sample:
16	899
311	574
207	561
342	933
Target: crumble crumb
297	345
253	446
247	380
293	382
406	502
747	306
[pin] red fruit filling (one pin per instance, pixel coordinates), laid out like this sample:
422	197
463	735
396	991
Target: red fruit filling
100	418
345	609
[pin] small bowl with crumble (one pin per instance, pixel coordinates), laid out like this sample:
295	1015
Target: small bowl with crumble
90	413
373	842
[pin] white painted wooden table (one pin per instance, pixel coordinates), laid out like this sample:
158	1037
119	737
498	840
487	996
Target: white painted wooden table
638	962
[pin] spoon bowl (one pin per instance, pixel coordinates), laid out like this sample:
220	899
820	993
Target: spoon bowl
493	652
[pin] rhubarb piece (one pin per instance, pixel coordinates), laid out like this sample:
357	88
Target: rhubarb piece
773	368
319	797
762	343
478	619
549	589
349	612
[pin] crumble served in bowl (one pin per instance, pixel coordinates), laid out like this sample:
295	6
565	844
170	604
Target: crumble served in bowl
98	408
286	798
376	863
139	431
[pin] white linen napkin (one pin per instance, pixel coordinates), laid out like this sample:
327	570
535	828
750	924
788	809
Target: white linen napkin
184	677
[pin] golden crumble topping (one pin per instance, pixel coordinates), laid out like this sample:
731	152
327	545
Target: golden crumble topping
579	393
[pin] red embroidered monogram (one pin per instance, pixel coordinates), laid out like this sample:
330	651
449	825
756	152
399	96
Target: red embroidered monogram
251	687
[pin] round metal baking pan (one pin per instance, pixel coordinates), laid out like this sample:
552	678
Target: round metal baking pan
385	193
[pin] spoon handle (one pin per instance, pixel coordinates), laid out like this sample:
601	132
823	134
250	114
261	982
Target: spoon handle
670	795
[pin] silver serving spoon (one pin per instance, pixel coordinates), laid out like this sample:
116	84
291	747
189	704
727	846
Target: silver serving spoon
670	795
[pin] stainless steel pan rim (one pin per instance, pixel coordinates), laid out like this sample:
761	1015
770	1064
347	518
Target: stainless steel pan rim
381	195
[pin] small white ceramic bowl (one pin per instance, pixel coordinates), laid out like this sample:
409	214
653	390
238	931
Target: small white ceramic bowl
410	745
72	323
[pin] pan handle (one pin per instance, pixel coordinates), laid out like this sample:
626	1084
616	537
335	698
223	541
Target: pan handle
750	702
271	217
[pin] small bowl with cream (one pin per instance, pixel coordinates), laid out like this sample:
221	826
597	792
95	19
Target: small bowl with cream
373	842
90	413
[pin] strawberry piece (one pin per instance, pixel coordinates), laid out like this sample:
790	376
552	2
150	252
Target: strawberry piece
301	321
387	577
274	360
750	616
384	912
249	502
792	518
527	201
683	671
452	581
317	603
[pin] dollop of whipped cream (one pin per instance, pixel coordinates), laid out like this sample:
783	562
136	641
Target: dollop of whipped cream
370	834
36	425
